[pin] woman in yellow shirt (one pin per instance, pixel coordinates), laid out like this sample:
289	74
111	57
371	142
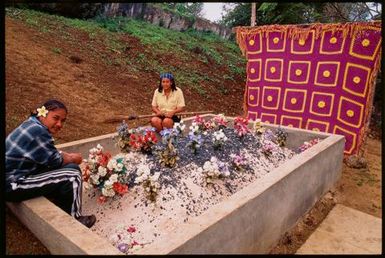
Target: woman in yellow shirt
167	102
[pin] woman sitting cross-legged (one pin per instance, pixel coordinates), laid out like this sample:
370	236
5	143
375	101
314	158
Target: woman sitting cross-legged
34	167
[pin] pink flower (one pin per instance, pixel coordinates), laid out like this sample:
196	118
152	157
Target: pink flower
131	230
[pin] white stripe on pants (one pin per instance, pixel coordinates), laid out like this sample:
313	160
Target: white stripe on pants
56	176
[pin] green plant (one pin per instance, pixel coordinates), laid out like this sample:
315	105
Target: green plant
56	50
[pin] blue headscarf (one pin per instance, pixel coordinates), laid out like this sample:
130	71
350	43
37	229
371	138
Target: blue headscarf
166	75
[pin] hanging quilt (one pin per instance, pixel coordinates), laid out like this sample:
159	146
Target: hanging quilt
318	77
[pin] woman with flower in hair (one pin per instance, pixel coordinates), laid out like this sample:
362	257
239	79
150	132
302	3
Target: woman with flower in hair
167	102
34	167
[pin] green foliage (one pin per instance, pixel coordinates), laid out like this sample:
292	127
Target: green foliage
56	50
187	10
298	13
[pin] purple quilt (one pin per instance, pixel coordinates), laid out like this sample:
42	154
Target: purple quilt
317	77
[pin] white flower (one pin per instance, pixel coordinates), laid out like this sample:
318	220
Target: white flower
119	167
99	147
113	178
111	164
95	179
42	111
109	192
102	171
108	184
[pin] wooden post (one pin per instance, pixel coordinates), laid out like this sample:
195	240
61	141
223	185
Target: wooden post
253	11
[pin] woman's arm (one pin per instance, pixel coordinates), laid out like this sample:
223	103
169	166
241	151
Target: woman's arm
174	112
71	157
156	110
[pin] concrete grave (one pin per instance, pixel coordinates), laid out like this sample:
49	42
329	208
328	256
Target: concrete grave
251	220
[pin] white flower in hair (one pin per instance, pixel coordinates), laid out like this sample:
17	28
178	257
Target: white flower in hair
42	111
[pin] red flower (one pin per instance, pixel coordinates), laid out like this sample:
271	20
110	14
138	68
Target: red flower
131	230
134	243
102	199
104	158
120	188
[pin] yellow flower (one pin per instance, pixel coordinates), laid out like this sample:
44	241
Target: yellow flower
350	113
326	73
252	70
276	40
272	69
269	98
321	104
356	79
293	100
251	42
365	42
298	72
333	40
42	111
301	42
251	97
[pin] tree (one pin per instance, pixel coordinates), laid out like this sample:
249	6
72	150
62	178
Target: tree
239	14
185	9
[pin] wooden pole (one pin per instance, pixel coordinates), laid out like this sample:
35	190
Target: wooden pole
120	118
253	14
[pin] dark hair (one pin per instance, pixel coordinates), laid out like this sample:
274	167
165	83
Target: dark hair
173	86
51	104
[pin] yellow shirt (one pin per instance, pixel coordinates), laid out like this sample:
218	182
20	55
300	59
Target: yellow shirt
170	103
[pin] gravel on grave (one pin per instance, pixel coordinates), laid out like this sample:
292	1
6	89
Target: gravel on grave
131	222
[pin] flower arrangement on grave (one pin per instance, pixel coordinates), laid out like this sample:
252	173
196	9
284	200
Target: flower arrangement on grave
239	161
307	144
107	174
138	139
123	138
213	169
179	127
195	138
200	122
240	126
281	136
258	128
169	154
219	139
219	121
268	147
149	182
123	241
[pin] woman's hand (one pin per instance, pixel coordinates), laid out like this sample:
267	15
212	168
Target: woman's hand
71	158
170	114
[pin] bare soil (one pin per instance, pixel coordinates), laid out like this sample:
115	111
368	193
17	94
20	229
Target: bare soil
93	91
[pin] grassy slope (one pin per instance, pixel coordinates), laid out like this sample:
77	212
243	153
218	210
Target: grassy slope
115	55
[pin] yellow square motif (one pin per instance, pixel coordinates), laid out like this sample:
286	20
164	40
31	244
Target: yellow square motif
294	101
280	69
252	71
327	74
356	79
310	51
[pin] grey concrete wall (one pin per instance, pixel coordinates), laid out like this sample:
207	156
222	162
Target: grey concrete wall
254	219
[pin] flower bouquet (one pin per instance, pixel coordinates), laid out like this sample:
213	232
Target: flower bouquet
138	139
240	126
239	161
214	169
107	174
168	155
149	182
218	139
